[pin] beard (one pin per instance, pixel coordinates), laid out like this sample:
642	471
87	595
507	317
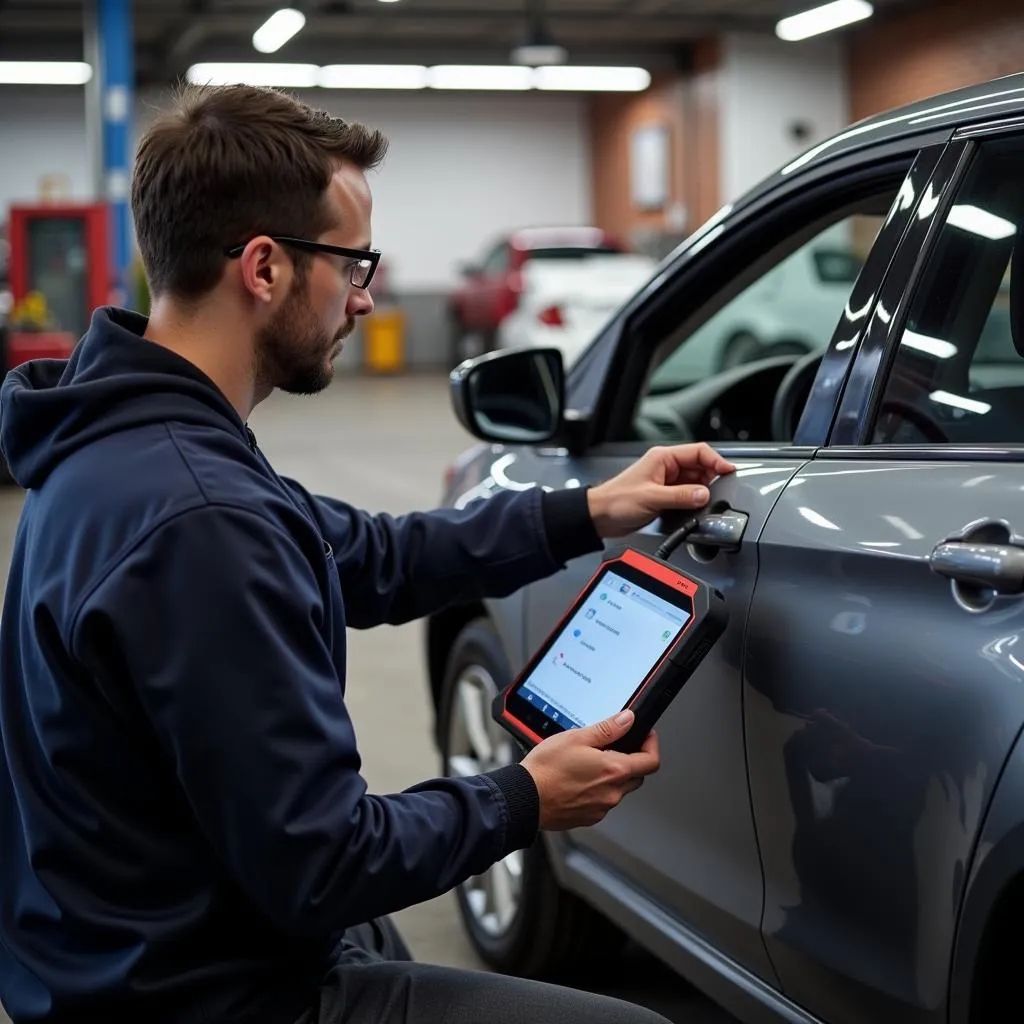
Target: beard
293	352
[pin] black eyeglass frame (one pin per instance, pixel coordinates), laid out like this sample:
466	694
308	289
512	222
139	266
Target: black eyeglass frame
371	256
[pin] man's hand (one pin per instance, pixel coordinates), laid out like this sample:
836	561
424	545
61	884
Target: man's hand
664	478
578	781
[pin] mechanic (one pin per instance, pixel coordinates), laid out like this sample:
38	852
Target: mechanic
184	831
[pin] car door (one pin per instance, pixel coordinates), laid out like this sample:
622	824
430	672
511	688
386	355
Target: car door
885	665
484	299
685	842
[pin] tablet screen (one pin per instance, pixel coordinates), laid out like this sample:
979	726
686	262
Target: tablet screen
603	653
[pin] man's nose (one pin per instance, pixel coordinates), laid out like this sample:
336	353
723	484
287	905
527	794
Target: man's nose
360	302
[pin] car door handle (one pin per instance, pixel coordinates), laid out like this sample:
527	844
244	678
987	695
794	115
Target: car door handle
721	530
998	567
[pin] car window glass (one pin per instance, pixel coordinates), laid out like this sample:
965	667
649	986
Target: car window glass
497	260
720	381
958	373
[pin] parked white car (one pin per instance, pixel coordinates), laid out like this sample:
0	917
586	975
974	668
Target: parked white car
564	303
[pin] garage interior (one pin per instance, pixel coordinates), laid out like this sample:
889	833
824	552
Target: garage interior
720	102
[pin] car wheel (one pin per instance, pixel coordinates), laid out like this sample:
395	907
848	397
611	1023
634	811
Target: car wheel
741	348
517	917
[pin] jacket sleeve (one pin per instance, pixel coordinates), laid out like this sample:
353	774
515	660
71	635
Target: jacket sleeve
218	623
397	568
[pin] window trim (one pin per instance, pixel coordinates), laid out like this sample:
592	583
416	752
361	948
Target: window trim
621	391
872	369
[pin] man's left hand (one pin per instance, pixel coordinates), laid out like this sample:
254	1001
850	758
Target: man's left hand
665	478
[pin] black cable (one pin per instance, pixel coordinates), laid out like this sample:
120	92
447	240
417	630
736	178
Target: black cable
673	540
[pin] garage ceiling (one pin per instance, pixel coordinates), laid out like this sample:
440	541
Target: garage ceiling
171	34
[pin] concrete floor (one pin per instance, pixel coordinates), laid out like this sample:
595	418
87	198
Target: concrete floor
383	444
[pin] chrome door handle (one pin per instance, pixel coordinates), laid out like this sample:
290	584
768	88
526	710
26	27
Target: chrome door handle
998	567
722	530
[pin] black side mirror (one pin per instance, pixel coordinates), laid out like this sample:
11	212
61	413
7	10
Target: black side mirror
514	395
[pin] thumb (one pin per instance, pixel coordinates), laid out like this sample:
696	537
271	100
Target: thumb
687	496
608	730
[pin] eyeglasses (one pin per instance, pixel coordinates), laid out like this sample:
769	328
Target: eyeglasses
363	261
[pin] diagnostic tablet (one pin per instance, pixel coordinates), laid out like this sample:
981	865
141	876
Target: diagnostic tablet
631	639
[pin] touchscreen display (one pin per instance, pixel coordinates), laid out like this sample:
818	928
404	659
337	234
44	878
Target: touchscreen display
603	653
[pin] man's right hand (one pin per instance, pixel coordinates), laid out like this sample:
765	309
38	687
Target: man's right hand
579	781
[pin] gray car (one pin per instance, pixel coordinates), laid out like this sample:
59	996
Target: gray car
837	831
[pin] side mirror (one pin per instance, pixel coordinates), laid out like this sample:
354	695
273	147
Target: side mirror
511	396
468	269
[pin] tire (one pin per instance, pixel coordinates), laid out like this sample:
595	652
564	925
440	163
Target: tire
517	917
741	348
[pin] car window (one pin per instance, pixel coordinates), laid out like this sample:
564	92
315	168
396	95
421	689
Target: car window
958	373
572	252
496	261
718	382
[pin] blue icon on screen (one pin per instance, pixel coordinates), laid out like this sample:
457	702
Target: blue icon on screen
591	612
577	632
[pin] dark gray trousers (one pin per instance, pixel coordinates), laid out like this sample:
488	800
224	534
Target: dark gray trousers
375	981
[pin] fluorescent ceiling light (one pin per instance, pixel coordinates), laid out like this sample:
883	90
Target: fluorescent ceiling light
480	76
586	79
535	54
373	76
44	72
286	76
959	402
931	346
980	222
278	29
826	18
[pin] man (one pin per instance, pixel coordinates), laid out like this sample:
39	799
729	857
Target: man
184	832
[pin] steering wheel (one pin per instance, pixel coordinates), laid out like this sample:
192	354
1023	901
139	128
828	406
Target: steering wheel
928	427
792	395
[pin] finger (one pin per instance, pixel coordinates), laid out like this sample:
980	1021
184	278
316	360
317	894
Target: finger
652	745
684	496
700	455
632	785
607	731
644	762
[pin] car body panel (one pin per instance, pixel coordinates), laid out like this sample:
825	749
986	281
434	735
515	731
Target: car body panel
700	863
1000	854
879	714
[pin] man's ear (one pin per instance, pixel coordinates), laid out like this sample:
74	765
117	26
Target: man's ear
264	269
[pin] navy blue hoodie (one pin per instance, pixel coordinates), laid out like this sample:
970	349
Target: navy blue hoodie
184	830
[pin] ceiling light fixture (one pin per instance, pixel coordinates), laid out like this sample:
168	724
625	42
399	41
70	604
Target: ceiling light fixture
826	18
373	76
596	79
278	29
44	72
414	76
283	76
480	76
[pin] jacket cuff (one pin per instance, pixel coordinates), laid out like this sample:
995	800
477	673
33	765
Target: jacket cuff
523	803
568	524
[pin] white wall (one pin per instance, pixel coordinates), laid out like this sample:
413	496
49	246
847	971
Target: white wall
462	168
42	131
766	86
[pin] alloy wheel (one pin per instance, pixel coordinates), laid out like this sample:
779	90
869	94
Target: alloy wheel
477	744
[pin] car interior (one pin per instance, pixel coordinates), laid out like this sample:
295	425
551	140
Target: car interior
761	400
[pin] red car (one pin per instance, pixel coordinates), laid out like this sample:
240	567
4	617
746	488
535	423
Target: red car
490	289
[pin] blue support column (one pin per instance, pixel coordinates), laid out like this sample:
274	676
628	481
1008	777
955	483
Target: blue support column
116	74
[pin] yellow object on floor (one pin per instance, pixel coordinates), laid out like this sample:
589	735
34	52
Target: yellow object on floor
384	340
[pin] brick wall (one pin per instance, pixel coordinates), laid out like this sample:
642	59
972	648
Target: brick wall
944	45
687	106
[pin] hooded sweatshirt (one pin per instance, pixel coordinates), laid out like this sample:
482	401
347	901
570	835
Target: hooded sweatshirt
184	830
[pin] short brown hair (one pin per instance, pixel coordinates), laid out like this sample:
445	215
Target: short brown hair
226	163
